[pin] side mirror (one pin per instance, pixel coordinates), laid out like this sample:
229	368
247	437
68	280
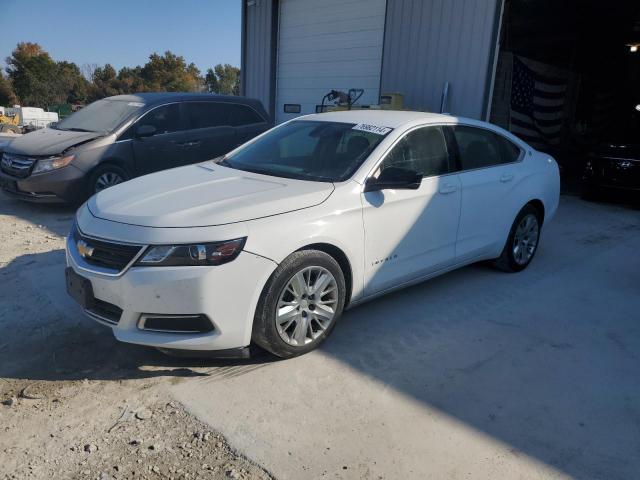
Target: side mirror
145	131
394	178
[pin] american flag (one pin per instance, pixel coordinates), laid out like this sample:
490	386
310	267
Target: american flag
537	103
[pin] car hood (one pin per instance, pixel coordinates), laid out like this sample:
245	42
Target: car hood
204	195
47	141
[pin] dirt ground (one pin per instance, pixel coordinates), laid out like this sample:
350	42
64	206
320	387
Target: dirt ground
75	403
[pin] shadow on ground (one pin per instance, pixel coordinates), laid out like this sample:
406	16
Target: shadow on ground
545	361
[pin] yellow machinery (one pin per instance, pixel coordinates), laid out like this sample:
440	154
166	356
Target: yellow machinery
347	101
392	101
9	122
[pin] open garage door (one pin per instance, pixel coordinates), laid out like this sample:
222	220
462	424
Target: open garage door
568	74
338	45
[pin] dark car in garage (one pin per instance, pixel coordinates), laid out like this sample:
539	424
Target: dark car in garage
614	163
125	136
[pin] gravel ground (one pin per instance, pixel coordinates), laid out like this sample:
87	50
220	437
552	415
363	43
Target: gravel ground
75	403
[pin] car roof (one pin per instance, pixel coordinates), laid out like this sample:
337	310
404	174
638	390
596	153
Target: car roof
154	98
406	119
388	118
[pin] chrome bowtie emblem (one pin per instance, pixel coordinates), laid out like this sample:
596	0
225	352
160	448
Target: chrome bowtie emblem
84	249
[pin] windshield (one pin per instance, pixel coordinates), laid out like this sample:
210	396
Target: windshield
309	150
102	116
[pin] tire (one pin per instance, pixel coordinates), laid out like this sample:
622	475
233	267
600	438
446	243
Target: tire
516	260
105	176
7	128
282	315
591	192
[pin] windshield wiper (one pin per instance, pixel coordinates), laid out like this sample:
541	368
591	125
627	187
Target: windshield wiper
76	129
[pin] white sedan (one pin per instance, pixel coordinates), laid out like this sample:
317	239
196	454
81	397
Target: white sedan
271	243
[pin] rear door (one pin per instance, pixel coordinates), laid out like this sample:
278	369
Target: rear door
210	132
166	148
488	174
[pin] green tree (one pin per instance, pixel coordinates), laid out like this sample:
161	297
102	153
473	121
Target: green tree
104	83
71	83
170	73
7	95
31	71
223	79
130	80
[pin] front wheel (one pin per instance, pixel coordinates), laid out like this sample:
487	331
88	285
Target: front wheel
300	304
106	176
522	242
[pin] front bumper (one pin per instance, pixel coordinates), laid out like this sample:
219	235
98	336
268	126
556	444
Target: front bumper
66	185
226	294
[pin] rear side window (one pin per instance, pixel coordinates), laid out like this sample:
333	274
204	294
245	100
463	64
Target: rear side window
207	114
240	115
510	151
423	150
479	148
165	119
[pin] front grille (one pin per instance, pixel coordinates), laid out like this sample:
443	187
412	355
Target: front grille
17	165
105	311
100	253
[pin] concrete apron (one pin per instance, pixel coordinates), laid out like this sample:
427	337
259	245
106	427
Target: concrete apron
476	374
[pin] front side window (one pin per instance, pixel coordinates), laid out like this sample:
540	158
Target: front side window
164	119
308	150
423	150
480	148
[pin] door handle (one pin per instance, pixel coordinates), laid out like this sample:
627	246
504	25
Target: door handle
447	188
506	177
192	143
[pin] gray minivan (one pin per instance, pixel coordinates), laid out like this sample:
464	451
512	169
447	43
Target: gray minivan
125	136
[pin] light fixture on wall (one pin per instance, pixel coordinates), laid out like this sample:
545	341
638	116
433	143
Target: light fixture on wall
633	47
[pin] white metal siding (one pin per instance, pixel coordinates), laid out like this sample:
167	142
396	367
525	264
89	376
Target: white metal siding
327	45
256	74
430	42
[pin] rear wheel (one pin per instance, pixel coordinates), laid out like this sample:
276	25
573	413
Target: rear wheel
522	242
106	176
300	305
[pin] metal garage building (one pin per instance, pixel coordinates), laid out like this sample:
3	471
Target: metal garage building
295	51
545	69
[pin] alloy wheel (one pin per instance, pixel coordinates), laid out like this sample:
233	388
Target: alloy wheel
106	180
525	239
307	306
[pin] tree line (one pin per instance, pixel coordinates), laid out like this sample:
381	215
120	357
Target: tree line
35	79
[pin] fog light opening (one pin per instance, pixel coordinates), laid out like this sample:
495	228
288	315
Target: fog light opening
175	323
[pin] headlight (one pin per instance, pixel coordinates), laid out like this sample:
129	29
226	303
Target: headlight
53	163
197	254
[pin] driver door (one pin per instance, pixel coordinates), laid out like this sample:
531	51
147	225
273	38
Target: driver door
411	233
167	147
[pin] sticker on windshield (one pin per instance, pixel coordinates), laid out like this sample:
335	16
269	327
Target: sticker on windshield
135	104
372	129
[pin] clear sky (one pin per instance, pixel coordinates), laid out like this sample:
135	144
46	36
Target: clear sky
124	33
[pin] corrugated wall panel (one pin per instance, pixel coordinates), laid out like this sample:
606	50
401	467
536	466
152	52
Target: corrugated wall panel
430	42
325	45
256	77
